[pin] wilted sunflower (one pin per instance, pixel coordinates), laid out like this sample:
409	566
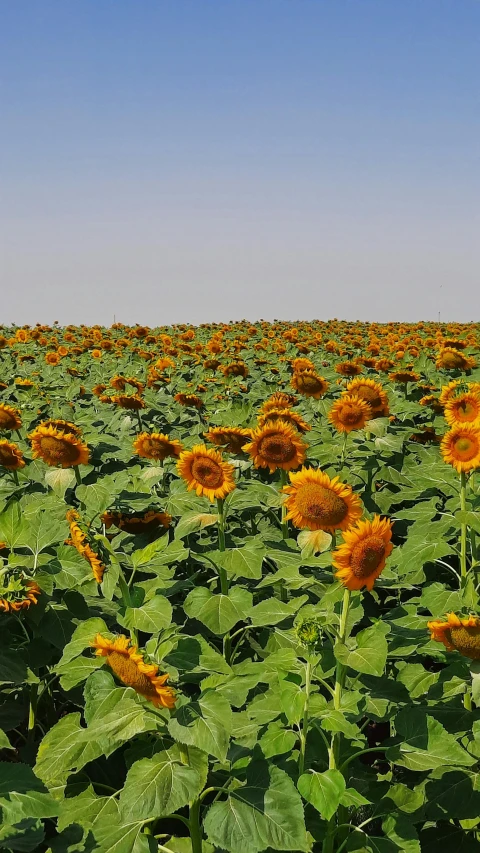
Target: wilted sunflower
79	540
156	445
128	401
98	390
276	445
285	414
425	436
349	413
463	409
362	557
56	447
232	439
451	359
9	418
11	457
236	368
310	384
460	635
134	523
189	400
460	447
373	394
17	593
318	503
204	470
129	666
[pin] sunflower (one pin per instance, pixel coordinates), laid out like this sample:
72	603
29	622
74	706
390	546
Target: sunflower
129	666
232	439
189	400
79	540
62	426
460	447
319	503
309	384
17	593
130	522
349	413
348	368
98	390
463	409
156	445
426	435
461	635
236	368
451	359
11	457
432	403
276	445
205	471
52	358
362	557
58	448
128	401
404	376
24	383
299	364
373	394
279	400
292	418
9	418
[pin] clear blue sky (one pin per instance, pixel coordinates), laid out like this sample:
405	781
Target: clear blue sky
196	160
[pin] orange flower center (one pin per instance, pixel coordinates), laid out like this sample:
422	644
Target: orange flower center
276	448
465	448
466	640
127	671
321	505
367	556
58	450
207	472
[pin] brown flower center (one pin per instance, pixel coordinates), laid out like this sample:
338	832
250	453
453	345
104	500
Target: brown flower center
370	395
276	448
309	384
7	457
321	505
452	359
466	640
7	421
127	671
367	556
207	472
350	414
58	450
466	412
465	448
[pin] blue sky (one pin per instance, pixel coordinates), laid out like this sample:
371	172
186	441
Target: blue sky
194	160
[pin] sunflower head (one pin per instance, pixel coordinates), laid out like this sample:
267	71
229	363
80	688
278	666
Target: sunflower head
277	444
156	445
145	522
460	447
362	557
62	426
189	400
308	383
128	401
204	470
11	457
451	359
232	439
309	633
285	414
456	634
56	447
463	409
9	418
349	413
317	502
348	368
279	400
132	670
370	391
17	592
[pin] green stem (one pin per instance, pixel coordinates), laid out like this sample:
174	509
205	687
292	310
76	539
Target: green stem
304	730
78	476
195	828
227	642
127	602
32	712
139	419
15	478
463	526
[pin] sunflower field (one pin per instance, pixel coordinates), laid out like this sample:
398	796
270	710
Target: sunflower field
239	591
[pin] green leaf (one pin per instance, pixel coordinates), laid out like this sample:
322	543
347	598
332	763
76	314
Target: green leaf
244	562
4	741
82	638
218	612
25	836
123	838
266	812
271	611
156	787
11	524
323	790
96	497
75	671
426	744
205	724
193	521
22	795
60	479
371	653
153	616
277	740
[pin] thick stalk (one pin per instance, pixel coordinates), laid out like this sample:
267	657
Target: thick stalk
195	828
227	642
463	526
78	476
304	730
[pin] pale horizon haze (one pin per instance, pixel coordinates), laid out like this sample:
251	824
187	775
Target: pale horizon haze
169	161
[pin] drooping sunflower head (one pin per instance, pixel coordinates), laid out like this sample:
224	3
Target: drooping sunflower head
232	439
404	376
204	470
130	667
432	402
80	540
349	413
17	592
58	448
373	394
456	634
451	359
189	400
9	418
11	457
460	447
463	409
135	523
52	358
310	384
362	557
156	445
317	502
277	444
128	401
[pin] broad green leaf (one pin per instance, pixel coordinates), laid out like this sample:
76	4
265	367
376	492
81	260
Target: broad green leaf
60	479
205	724
112	837
153	616
193	521
426	744
11	524
156	787
218	612
82	638
323	790
370	654
277	740
273	610
23	795
244	562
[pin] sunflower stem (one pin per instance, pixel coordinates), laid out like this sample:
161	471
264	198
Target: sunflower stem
139	417
195	828
463	526
78	476
227	642
127	601
304	729
15	478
